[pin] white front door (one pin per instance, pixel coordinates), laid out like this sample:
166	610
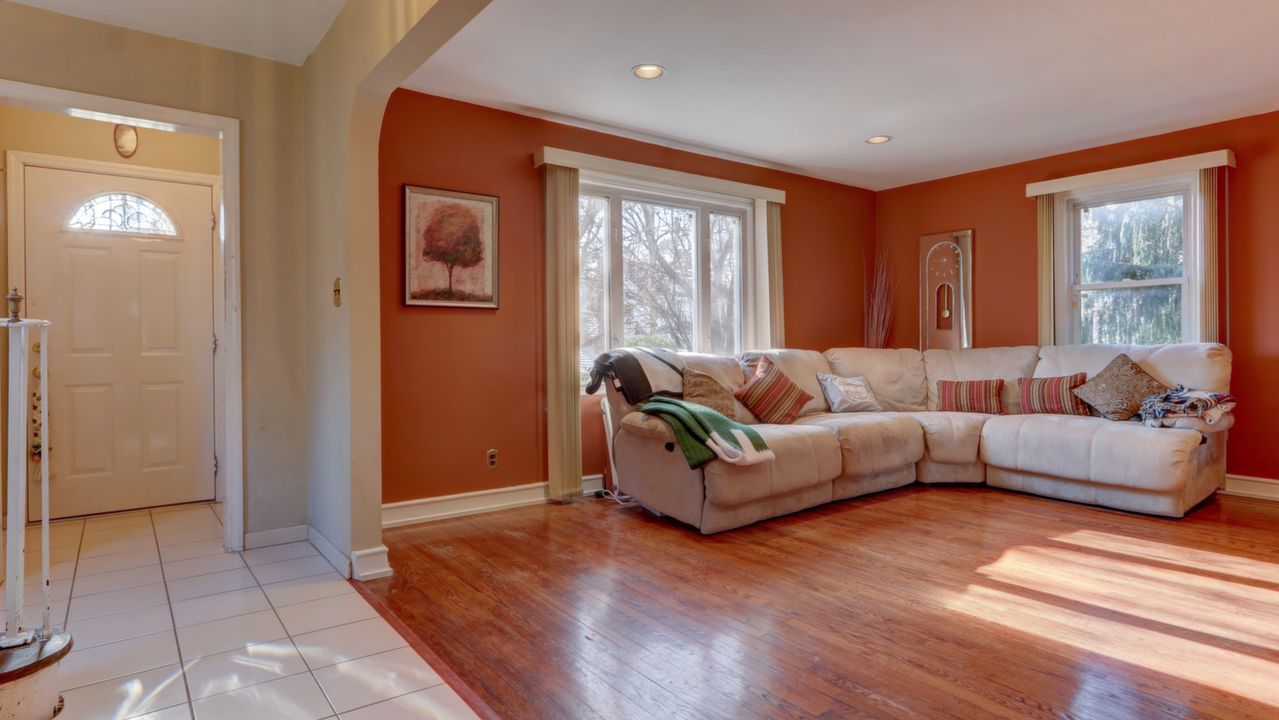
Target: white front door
123	267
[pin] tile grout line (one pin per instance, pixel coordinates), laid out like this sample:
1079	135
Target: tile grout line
182	665
310	671
261	587
75	572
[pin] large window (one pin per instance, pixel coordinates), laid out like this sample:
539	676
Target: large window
1126	272
661	270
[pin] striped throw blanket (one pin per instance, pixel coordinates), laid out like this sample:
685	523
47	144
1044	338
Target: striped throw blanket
1181	402
705	435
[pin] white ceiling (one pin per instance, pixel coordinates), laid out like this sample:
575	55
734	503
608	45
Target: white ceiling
800	84
285	30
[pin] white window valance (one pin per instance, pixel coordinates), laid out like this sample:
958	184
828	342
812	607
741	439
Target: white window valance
1193	177
1133	173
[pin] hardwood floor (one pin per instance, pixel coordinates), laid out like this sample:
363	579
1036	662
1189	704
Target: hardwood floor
917	603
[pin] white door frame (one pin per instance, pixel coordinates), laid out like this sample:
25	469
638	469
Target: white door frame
230	350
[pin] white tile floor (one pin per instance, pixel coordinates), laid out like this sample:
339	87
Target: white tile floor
167	626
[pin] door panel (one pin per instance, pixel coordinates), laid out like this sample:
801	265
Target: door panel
130	365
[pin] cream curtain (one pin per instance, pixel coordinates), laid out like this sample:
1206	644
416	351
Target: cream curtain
1208	313
776	316
563	411
1047	223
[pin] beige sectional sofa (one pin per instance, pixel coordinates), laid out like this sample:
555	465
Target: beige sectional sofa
827	456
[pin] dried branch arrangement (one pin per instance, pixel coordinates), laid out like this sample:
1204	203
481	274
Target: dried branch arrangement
881	288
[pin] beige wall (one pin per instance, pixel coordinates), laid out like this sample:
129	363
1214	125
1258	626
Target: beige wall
372	46
56	134
309	194
43	48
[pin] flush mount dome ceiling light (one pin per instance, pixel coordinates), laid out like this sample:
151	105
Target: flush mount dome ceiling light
648	71
878	139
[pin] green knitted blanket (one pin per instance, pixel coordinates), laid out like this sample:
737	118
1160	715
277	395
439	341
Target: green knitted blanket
705	435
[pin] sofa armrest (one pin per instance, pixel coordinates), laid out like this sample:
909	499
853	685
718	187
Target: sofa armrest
1197	424
647	426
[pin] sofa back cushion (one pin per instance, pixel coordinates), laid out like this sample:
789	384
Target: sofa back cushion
1001	363
801	366
896	376
1201	366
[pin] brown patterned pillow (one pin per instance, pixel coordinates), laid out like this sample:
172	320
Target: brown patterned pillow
705	390
1117	391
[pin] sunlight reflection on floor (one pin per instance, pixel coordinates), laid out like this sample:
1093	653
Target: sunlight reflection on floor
1179	622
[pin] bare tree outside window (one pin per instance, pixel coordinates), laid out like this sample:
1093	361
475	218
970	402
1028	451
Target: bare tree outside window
592	280
659	245
726	276
661	273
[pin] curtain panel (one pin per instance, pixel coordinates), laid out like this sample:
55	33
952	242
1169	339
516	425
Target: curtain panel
563	410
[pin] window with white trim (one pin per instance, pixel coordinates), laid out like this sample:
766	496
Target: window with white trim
663	267
1127	267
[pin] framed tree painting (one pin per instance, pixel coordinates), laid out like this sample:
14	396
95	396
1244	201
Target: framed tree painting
450	247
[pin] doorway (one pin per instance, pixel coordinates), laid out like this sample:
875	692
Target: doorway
122	259
228	361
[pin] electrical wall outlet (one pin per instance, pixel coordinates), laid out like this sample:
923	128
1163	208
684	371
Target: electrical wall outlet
491	457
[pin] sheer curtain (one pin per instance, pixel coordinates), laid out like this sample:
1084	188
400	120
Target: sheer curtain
563	411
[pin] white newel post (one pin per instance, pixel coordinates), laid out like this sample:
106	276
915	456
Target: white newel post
28	656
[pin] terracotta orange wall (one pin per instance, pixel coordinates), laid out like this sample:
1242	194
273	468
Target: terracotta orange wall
993	203
458	382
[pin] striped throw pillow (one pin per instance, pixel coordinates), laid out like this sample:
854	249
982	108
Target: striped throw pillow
1055	395
974	396
771	396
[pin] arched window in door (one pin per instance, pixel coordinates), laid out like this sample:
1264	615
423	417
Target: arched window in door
122	213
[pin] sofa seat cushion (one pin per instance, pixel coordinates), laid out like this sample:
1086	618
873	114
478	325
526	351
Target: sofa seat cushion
953	438
872	442
1096	450
805	455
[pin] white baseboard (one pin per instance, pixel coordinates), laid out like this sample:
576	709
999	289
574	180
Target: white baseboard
592	483
330	553
370	564
1252	487
276	536
471	503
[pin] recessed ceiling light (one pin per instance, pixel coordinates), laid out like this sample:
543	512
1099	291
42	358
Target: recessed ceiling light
878	139
648	71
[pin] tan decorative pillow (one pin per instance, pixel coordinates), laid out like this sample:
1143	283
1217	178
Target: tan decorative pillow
1117	391
705	390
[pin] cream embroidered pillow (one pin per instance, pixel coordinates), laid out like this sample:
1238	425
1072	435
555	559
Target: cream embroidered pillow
848	394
